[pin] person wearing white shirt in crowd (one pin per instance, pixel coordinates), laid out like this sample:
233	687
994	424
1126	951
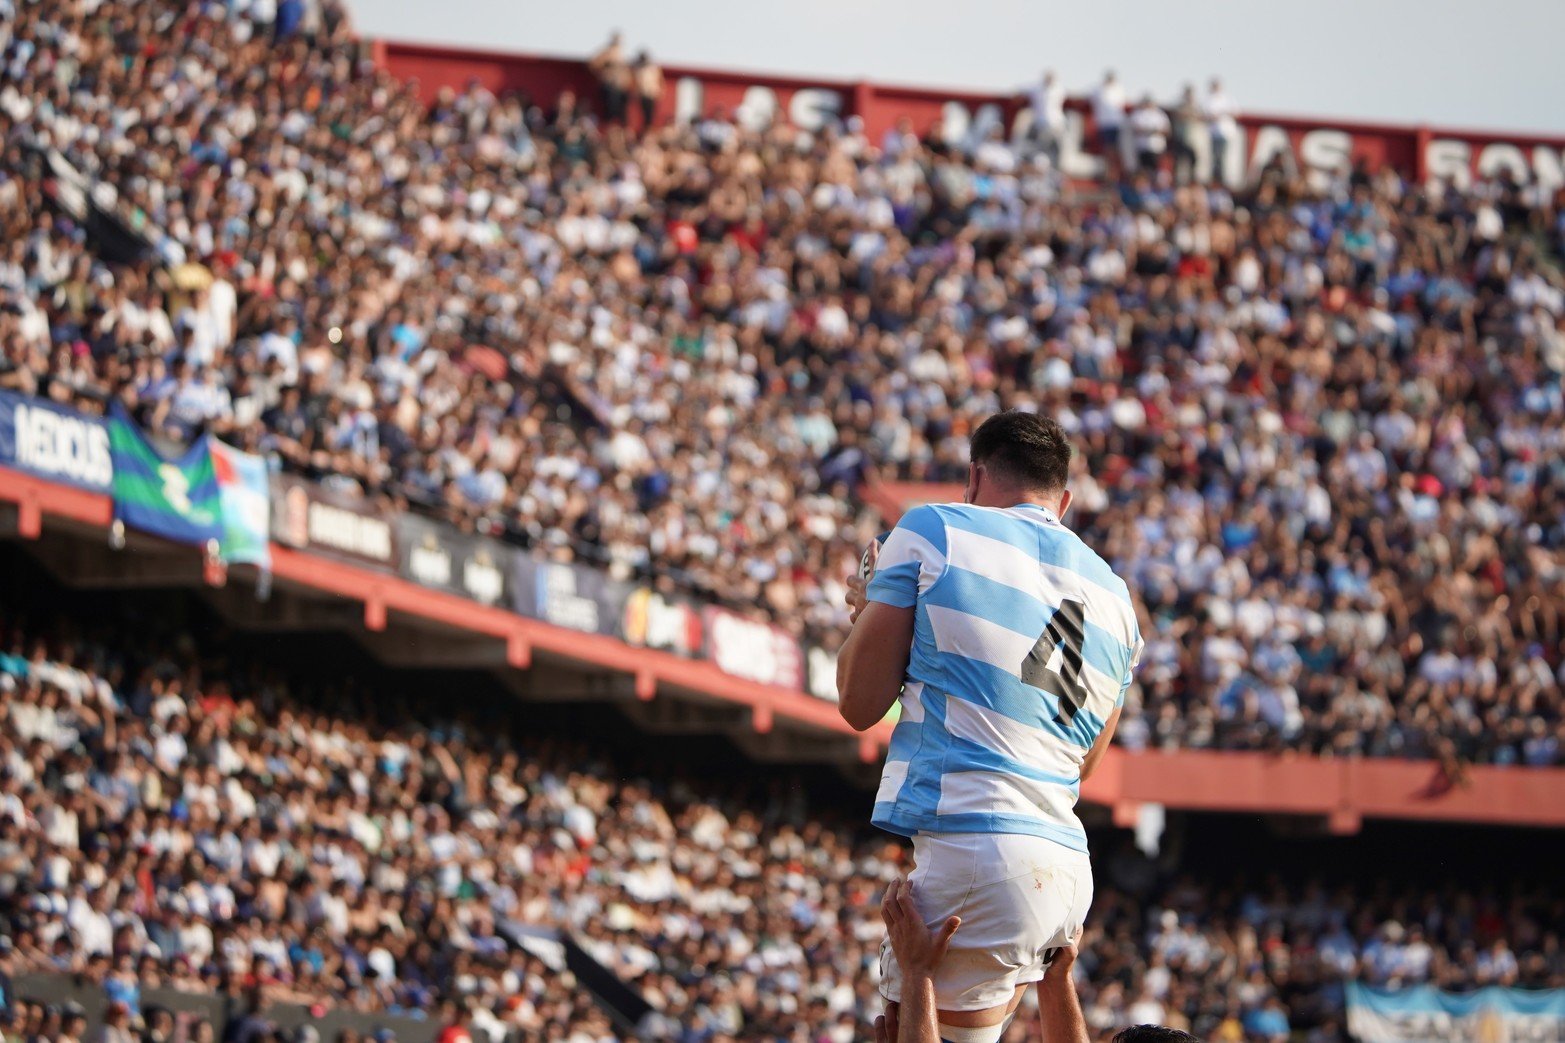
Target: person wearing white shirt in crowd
1149	127
1048	115
279	344
201	333
1108	114
90	923
1222	124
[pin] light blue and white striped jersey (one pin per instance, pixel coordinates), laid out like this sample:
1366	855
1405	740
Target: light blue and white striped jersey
1023	645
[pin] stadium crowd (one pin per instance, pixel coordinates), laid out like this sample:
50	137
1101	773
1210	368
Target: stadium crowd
174	817
1321	415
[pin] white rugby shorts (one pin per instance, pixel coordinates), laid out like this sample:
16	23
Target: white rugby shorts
1018	897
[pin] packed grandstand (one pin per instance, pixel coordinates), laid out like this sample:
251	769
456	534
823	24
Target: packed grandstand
1322	436
179	811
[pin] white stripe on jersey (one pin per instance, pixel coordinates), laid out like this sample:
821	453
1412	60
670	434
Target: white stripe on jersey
1000	561
891	779
996	793
905	545
1012	739
973	637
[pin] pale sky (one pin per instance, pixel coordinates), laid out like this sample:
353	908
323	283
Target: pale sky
1456	63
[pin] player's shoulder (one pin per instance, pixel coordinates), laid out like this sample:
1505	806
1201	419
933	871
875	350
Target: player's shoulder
1099	569
1117	607
1070	551
928	520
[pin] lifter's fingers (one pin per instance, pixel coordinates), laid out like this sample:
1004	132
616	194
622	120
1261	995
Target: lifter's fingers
947	929
889	908
905	901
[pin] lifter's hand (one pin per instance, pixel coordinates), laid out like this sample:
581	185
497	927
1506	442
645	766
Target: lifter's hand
857	584
1059	973
886	1026
917	949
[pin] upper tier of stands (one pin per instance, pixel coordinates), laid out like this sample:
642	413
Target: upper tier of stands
1320	421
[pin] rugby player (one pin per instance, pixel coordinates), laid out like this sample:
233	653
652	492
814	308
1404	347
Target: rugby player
1010	644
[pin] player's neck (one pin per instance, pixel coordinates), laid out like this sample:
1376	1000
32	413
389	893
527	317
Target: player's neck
1009	496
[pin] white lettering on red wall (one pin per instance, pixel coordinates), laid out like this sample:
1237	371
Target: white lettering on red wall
757	106
1454	160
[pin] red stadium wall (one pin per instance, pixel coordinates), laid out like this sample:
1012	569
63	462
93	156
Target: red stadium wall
1419	152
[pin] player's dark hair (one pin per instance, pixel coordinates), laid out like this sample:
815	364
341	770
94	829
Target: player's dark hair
1154	1034
1025	448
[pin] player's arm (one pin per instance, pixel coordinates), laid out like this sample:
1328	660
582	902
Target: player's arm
1100	745
1059	1009
873	663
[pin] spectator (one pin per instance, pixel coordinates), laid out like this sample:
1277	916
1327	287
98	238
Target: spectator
1223	126
116	1025
1108	115
1149	128
615	78
1189	127
342	834
1048	116
648	82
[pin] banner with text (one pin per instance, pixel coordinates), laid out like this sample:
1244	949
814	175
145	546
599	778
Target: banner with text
821	671
324	521
568	595
1428	1015
753	650
51	441
176	499
438	556
666	622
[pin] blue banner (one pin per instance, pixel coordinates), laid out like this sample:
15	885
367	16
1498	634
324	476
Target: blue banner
53	442
1424	1014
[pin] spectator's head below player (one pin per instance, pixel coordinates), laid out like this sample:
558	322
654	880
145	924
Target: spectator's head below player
1154	1034
1017	458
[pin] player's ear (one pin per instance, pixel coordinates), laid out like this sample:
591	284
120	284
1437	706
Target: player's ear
1065	504
970	494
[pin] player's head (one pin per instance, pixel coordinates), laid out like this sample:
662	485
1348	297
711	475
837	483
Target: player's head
1019	457
1154	1034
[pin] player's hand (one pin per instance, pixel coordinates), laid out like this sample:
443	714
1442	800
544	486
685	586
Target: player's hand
917	949
886	1026
858	583
1061	959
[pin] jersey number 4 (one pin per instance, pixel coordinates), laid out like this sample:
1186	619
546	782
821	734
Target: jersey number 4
1066	632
